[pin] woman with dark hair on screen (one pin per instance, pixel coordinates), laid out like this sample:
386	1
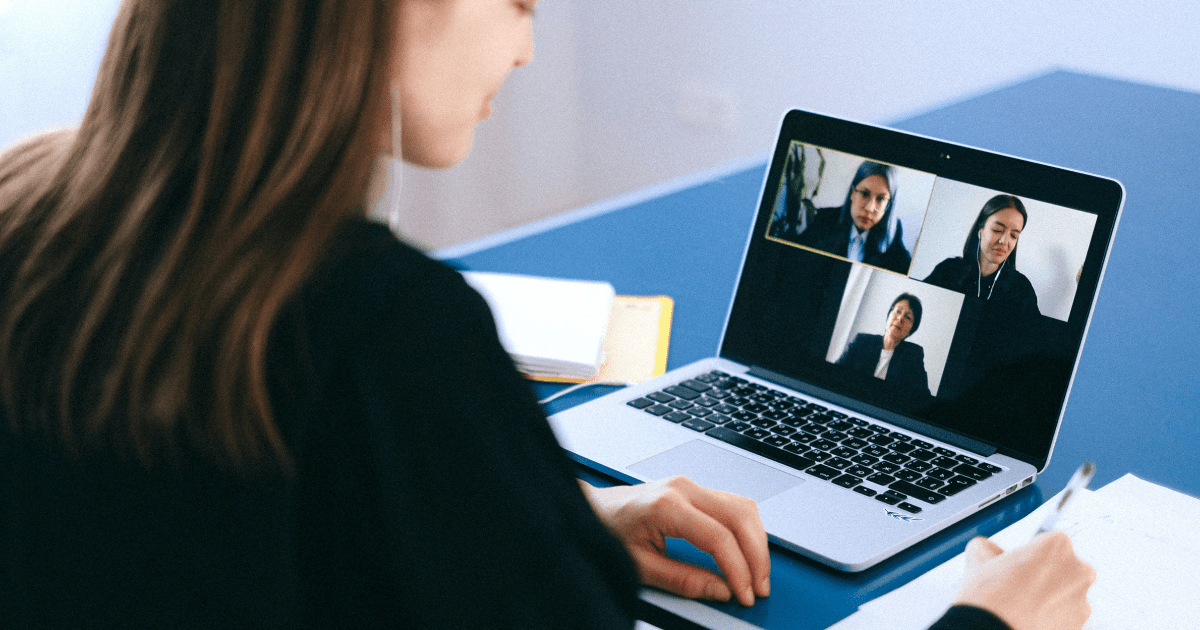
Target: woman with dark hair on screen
227	399
865	227
987	270
890	357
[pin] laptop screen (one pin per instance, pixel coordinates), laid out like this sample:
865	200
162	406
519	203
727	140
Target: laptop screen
921	280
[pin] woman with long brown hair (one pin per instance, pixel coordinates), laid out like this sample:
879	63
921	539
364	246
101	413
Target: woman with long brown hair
230	400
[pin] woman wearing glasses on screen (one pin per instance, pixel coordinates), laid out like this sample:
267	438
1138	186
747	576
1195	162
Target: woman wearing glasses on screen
227	399
865	227
987	270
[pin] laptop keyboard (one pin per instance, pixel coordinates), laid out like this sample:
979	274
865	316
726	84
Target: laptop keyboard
872	460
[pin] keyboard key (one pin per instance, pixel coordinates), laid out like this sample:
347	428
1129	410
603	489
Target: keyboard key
923	454
843	452
640	403
882	479
658	410
901	437
711	377
818	456
875	450
908	507
739	426
944	462
708	402
966	459
785	431
929	483
898	495
660	397
887	498
756	433
682	392
847	481
944	452
917	492
922	444
941	474
763	423
864	459
838	463
886	467
881	440
918	465
756	407
696	424
858	422
967	470
700	412
896	458
744	416
860	433
778	441
990	467
956	485
821	471
797	447
835	414
824	445
865	491
758	448
717	418
840	425
680	404
859	470
677	416
696	385
854	443
908	475
725	408
903	448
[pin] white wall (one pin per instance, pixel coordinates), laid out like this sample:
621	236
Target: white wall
627	93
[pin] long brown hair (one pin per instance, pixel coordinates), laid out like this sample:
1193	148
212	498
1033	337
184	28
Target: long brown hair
145	256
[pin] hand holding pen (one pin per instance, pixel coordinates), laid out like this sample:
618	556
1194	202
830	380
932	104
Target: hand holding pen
1078	482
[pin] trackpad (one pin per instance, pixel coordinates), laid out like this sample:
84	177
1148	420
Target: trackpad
714	467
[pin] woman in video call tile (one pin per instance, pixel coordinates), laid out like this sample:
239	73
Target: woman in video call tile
889	357
865	228
987	269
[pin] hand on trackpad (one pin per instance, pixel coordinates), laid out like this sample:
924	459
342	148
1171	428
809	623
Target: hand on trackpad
714	467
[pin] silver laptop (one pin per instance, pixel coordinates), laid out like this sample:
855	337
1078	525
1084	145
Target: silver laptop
899	348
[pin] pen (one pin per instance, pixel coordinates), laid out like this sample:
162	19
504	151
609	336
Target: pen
1078	482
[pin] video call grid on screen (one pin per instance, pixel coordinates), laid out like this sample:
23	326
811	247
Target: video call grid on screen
933	216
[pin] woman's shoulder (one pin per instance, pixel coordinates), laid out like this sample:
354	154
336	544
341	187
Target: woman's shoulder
910	348
368	276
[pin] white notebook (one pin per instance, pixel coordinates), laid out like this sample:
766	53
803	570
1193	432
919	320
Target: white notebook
551	327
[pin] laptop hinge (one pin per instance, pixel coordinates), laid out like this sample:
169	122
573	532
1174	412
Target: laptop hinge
977	447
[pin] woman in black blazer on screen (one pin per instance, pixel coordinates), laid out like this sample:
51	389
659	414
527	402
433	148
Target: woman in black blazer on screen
889	356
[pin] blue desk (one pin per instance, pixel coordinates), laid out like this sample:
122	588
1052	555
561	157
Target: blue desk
1133	406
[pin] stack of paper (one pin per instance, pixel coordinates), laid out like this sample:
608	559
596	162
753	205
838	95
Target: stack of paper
1140	537
576	330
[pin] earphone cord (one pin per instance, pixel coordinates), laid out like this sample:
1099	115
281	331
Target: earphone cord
979	279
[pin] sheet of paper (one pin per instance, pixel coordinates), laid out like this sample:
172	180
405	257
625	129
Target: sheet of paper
1139	536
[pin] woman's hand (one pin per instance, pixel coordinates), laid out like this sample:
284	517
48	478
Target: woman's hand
1042	585
724	525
